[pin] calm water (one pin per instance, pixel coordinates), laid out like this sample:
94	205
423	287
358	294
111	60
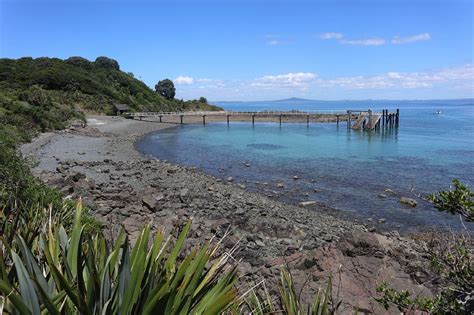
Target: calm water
349	169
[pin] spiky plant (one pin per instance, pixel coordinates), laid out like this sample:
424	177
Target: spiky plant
260	302
77	273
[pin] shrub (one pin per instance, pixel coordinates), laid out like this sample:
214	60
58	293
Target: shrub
457	201
79	62
107	63
78	273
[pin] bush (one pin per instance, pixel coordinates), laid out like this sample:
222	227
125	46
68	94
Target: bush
75	272
79	62
107	63
457	201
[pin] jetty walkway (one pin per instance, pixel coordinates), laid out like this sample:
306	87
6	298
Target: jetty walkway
356	119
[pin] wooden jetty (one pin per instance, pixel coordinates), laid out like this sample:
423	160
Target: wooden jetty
369	120
363	119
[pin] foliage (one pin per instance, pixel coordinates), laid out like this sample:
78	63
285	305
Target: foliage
202	99
72	273
76	84
451	259
107	63
457	201
260	302
24	198
166	89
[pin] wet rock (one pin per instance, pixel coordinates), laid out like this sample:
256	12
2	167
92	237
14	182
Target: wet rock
383	196
382	221
230	179
280	185
242	186
295	177
408	201
390	191
307	203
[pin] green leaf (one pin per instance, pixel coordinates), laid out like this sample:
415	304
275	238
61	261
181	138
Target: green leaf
27	290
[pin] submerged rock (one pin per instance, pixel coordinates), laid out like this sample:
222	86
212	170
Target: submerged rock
409	201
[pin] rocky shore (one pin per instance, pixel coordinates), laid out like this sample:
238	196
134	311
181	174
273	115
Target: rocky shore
99	163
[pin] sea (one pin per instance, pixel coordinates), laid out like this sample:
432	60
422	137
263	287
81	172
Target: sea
361	174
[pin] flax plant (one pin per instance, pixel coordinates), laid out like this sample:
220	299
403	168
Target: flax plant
77	273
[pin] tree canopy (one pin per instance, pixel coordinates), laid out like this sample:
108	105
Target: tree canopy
166	89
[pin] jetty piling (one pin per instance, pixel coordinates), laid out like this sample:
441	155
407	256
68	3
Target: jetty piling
204	120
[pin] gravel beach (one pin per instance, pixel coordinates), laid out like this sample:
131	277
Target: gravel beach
99	163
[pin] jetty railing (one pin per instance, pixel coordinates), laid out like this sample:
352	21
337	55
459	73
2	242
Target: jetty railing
363	119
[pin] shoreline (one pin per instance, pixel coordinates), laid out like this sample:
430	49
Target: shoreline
101	164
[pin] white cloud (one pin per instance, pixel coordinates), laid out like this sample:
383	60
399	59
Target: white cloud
411	39
447	82
364	42
184	80
299	79
406	80
331	35
374	41
274	40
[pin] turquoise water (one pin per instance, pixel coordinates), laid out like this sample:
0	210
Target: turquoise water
347	168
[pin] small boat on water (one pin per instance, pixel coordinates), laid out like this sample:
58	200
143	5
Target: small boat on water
438	112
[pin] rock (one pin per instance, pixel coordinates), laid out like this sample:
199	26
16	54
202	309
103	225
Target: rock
77	176
184	192
383	196
390	191
295	177
409	201
230	179
240	211
242	186
382	221
307	203
280	185
151	201
246	164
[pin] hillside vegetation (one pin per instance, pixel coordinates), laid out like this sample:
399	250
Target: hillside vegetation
45	93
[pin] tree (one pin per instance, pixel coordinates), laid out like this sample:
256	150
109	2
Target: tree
107	63
166	89
202	99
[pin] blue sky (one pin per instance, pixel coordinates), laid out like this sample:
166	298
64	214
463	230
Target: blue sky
261	49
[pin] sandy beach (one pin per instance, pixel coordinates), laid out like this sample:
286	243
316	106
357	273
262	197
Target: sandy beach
99	163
